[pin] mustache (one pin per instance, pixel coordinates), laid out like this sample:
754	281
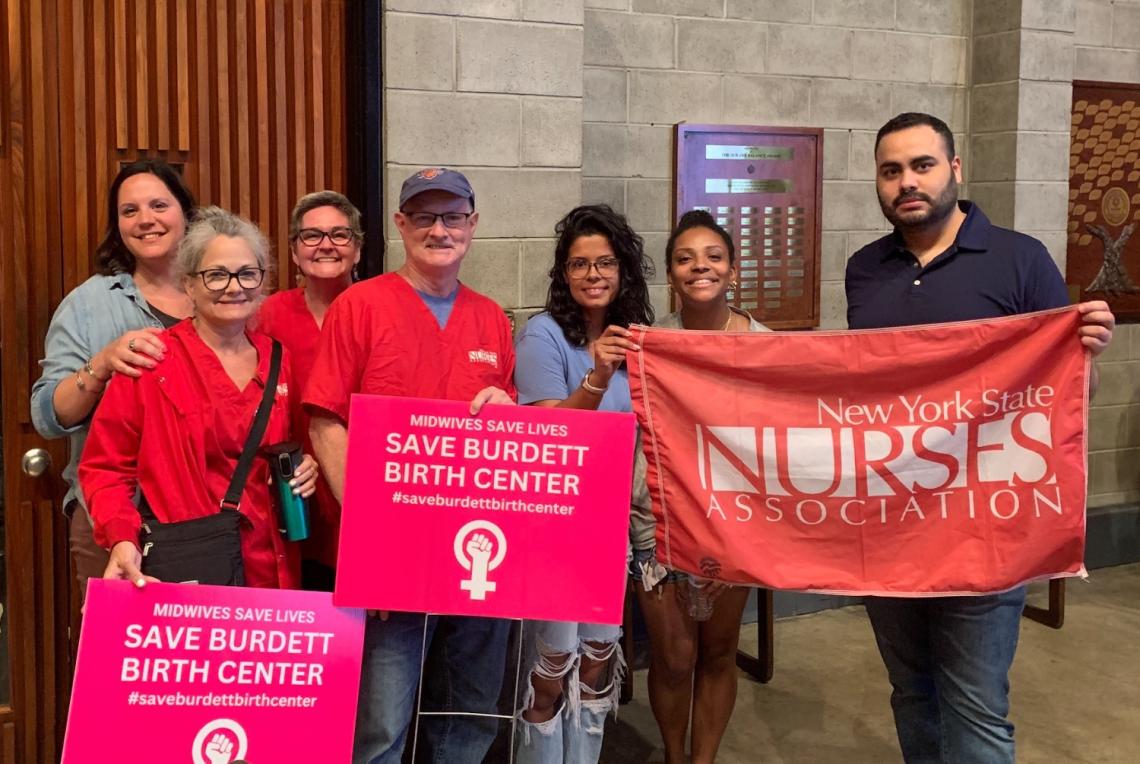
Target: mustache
912	197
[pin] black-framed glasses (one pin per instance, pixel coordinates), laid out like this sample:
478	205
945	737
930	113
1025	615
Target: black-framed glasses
218	279
313	237
579	267
454	220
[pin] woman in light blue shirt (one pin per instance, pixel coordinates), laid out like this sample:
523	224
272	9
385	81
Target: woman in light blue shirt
572	356
110	324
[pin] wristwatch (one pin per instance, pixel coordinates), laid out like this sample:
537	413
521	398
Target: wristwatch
591	388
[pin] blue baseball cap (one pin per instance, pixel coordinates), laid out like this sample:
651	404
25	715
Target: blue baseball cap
436	179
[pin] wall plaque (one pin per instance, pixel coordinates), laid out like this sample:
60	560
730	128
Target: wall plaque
764	186
1103	255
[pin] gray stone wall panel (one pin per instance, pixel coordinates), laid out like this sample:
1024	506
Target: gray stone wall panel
767	100
649	205
483	9
846	103
623	39
604	95
448	128
552	132
680	7
669	97
948	17
796	11
533	59
419	52
855	13
627	151
809	50
721	46
555	11
890	56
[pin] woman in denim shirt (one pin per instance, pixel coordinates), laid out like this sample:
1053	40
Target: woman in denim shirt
110	324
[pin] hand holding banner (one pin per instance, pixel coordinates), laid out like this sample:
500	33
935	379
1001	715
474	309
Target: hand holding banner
453	514
928	460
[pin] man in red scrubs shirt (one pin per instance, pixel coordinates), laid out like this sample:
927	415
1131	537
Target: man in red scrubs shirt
418	332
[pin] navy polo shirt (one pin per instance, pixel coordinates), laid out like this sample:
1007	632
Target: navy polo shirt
987	272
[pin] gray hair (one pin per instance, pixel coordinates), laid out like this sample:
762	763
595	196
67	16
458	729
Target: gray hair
212	222
332	199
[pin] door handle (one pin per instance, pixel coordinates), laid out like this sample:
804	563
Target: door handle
36	462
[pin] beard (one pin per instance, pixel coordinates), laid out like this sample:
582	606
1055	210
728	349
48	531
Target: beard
939	207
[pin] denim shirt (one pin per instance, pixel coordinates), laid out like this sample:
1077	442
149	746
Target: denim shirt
93	314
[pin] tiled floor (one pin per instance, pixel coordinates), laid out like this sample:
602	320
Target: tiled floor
1075	692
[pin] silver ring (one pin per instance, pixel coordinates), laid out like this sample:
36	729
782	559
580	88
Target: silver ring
131	346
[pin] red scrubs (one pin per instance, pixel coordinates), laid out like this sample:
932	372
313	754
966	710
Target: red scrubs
286	317
380	338
176	434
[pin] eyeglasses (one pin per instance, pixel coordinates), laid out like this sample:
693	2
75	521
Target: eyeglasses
313	237
579	267
453	220
218	279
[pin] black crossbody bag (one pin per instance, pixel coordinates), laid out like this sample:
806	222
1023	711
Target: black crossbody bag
207	550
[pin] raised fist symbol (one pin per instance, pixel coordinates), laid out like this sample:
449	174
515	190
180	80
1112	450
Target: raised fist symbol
479	548
220	749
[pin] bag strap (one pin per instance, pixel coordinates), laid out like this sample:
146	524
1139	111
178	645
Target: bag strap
256	432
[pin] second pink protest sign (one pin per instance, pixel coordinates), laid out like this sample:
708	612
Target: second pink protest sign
520	512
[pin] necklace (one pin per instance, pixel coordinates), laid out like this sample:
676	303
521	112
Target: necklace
723	328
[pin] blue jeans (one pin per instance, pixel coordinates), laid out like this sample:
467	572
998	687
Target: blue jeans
463	673
948	660
574	734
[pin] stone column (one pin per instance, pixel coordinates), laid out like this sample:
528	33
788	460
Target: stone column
1020	104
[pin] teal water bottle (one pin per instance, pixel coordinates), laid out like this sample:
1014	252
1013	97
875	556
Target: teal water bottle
284	459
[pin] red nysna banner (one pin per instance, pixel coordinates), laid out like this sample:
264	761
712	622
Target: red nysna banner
921	461
519	512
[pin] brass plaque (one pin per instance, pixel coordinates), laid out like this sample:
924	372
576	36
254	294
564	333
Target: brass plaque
747	186
713	151
1115	206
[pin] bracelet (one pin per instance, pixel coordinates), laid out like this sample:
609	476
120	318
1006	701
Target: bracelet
87	367
590	388
81	384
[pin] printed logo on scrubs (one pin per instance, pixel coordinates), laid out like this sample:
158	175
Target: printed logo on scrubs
488	357
283	390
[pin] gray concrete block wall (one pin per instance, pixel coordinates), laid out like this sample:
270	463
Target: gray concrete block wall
493	88
844	65
548	102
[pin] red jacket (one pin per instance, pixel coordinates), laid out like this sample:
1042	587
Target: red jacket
285	317
176	434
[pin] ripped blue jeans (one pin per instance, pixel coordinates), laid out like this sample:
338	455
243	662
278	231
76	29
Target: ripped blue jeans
574	734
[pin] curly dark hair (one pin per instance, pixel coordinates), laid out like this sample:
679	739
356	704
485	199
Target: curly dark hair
698	219
631	305
112	255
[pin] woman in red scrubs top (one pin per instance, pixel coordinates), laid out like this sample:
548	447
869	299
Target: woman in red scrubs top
324	239
176	432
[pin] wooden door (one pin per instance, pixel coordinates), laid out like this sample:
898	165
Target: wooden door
248	98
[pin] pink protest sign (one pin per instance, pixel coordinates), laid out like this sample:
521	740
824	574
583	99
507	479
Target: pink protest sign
520	512
213	675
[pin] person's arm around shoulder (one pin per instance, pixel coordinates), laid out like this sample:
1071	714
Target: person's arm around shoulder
108	477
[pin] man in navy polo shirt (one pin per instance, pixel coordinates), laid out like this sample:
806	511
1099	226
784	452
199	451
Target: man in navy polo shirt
948	658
